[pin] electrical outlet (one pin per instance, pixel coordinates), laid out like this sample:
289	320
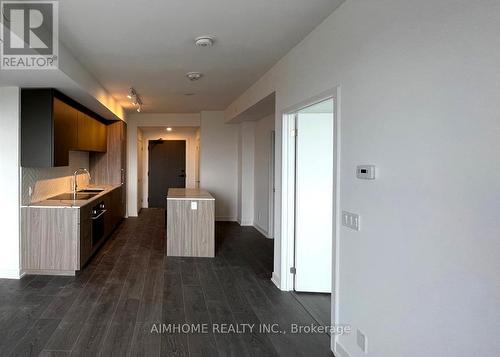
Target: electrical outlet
30	191
362	341
350	220
194	205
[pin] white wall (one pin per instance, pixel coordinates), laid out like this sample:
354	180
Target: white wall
10	182
219	163
189	134
263	188
420	86
135	121
246	160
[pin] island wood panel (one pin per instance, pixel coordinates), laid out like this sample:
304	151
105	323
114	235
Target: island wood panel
50	240
190	233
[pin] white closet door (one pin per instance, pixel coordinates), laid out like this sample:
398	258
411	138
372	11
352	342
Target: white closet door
314	199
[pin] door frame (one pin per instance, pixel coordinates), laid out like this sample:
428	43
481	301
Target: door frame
288	196
272	185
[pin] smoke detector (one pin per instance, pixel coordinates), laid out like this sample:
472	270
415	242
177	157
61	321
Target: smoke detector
194	76
204	41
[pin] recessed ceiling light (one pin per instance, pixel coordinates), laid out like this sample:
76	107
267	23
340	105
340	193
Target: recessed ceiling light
169	129
194	76
204	41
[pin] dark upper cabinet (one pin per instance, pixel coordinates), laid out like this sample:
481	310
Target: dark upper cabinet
52	125
91	134
65	131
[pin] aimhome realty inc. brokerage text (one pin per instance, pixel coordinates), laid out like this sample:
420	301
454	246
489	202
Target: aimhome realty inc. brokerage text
230	328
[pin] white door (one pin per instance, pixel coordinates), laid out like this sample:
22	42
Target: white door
314	198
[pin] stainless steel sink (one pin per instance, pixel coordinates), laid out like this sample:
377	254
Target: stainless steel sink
70	196
91	190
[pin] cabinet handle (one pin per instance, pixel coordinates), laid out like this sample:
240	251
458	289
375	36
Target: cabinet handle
99	215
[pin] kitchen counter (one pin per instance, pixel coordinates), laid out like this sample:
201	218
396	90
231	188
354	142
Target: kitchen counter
74	203
60	236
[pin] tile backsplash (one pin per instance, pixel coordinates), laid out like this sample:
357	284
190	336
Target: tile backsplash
48	182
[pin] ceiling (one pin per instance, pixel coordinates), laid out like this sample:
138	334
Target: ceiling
150	45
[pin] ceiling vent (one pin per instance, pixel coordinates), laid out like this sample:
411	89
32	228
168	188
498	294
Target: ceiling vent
204	41
194	76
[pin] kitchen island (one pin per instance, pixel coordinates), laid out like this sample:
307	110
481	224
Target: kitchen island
190	223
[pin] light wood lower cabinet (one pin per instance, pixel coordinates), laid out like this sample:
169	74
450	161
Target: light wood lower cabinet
50	240
58	240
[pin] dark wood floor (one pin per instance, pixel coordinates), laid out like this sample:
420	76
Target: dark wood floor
318	305
110	308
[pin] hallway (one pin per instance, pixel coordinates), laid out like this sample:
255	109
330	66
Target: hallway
111	307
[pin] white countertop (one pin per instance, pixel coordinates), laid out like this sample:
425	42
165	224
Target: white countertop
72	203
193	194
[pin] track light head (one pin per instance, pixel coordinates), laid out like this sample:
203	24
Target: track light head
194	76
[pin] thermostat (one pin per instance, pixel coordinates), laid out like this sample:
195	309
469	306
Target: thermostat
365	172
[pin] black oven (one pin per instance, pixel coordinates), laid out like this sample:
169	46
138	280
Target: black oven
98	213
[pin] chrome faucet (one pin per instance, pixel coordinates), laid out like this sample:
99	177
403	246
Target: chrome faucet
75	185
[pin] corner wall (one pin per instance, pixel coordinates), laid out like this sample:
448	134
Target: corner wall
246	172
263	191
10	182
219	163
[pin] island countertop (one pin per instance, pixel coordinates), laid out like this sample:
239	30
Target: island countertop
188	194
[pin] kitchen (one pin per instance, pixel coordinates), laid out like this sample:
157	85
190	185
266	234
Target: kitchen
66	218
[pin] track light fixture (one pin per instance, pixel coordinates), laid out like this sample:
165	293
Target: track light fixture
194	76
135	99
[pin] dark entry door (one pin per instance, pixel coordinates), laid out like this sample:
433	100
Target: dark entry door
167	168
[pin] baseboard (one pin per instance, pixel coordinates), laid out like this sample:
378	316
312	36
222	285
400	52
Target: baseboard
226	219
276	280
340	351
245	222
50	272
262	230
10	274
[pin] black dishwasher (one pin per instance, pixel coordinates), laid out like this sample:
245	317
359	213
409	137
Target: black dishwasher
98	213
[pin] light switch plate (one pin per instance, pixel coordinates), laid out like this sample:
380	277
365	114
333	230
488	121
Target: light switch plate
350	220
194	205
